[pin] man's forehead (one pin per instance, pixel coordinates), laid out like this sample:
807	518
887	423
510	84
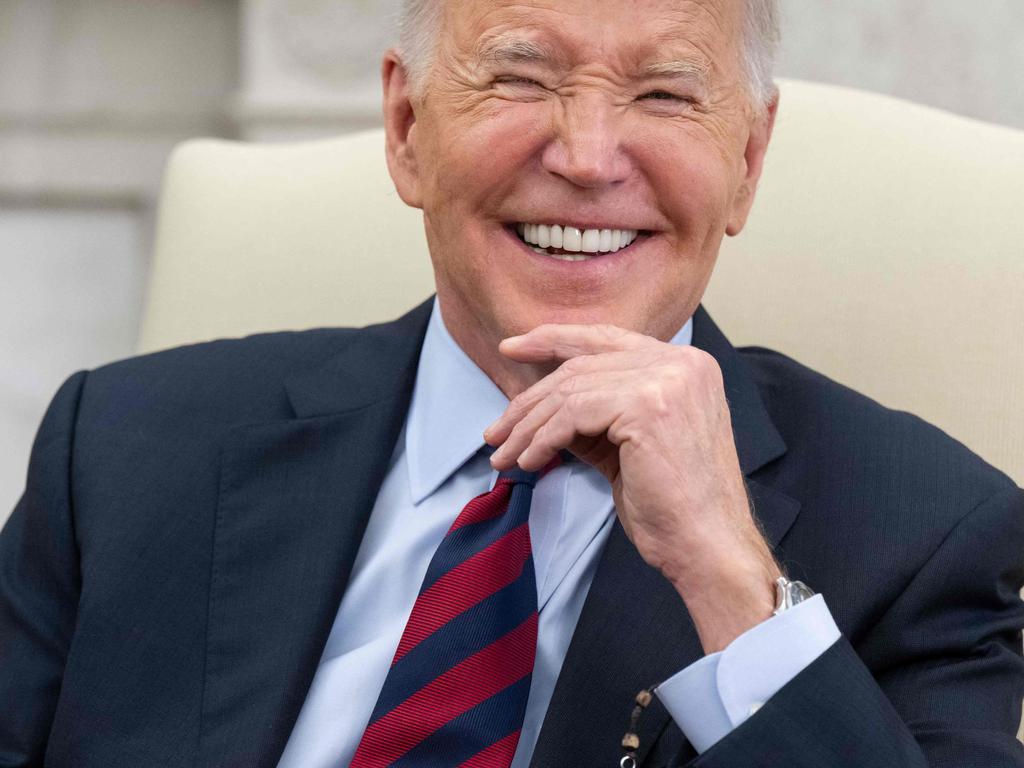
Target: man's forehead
636	7
654	60
677	37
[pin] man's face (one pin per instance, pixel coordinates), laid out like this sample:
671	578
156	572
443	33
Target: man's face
572	117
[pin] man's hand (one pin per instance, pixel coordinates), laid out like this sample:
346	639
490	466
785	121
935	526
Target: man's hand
653	418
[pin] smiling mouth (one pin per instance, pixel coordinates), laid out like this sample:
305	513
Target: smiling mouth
568	243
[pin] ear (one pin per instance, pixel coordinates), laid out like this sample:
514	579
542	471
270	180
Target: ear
757	147
400	129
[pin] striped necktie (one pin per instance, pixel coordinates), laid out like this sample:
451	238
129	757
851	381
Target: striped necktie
457	689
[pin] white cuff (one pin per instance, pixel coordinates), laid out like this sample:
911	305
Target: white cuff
719	692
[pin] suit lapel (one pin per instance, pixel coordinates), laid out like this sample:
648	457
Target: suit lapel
634	630
294	501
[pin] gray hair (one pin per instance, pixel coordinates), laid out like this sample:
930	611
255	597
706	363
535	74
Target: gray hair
420	21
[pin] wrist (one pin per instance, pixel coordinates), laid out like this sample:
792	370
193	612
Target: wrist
726	597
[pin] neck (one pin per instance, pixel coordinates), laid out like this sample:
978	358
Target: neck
480	344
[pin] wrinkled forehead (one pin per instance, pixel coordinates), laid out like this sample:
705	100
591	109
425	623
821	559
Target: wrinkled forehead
702	35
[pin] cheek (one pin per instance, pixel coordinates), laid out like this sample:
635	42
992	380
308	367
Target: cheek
480	155
692	180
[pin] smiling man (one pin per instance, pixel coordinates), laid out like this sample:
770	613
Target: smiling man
473	536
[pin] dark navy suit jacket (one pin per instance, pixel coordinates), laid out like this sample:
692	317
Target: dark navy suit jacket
171	574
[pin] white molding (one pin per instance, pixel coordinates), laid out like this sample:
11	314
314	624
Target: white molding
160	123
310	67
102	168
276	120
325	43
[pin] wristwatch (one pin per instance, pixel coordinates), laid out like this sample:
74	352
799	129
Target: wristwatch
789	593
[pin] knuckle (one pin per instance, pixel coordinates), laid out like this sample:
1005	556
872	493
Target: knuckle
612	332
701	364
520	401
546	429
543	437
653	396
514	433
710	370
576	402
702	359
568	387
681	356
573	365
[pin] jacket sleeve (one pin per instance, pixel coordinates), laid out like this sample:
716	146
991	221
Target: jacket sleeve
39	587
937	682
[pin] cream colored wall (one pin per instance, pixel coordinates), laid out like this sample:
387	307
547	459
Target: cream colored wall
94	93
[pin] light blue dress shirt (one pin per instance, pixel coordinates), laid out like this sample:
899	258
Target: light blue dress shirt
437	467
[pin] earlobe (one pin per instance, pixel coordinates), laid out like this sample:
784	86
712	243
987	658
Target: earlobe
400	129
753	156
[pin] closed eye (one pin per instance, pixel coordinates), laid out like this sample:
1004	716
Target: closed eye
666	96
514	80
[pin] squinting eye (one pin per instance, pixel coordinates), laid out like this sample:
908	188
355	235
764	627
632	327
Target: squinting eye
664	96
512	80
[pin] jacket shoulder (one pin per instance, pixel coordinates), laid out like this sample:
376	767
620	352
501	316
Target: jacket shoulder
227	380
881	491
861	444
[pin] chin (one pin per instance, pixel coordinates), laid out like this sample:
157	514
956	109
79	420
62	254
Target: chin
595	314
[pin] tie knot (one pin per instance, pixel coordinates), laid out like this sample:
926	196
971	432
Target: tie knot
518	476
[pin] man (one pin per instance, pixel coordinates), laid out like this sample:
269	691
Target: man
228	554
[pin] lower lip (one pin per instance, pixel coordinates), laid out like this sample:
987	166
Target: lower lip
602	262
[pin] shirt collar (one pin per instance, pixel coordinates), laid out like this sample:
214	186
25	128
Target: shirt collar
453	402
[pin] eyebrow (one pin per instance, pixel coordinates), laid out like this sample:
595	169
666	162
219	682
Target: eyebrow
684	70
508	49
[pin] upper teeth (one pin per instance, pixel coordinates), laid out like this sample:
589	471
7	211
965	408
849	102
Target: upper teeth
576	240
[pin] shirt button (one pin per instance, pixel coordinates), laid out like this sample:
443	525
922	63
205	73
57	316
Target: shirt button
755	707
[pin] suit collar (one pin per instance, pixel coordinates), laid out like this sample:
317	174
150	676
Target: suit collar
294	500
757	440
371	365
634	630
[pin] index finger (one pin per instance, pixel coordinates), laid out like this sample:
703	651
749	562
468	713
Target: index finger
560	341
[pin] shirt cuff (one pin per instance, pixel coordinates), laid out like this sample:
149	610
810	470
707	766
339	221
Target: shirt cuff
719	692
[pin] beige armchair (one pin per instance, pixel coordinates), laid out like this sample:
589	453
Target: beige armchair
886	249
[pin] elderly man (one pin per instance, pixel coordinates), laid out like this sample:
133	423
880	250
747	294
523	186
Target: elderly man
297	549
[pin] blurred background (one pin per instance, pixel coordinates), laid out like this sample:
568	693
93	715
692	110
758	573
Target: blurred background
95	93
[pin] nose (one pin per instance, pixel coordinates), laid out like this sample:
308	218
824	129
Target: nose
586	146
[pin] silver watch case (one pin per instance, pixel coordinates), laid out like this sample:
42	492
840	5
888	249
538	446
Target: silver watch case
789	593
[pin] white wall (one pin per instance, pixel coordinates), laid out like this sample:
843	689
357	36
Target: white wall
70	296
94	93
966	57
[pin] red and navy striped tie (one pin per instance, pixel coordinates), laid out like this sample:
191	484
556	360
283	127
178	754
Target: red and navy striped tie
457	688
